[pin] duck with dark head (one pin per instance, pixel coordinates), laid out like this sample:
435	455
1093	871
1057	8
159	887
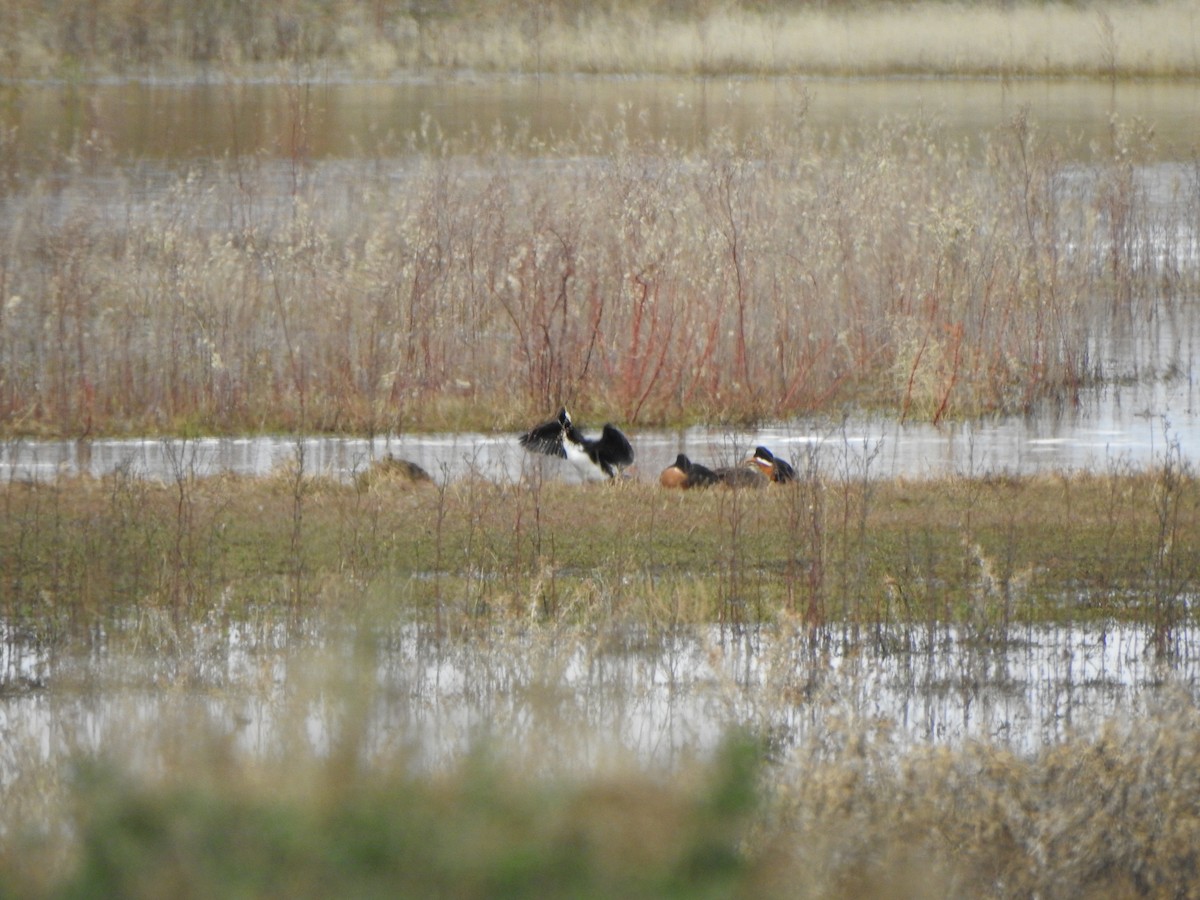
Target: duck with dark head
776	469
685	474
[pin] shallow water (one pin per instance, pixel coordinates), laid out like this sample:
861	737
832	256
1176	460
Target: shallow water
585	695
1113	429
145	134
327	116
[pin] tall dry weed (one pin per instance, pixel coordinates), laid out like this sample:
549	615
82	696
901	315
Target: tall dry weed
1109	816
744	282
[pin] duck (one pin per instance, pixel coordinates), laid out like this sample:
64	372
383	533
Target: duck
604	456
685	474
776	469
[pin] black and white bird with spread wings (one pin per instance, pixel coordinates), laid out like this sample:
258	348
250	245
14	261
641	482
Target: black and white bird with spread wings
601	457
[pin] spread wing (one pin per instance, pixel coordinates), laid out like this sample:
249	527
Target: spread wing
545	438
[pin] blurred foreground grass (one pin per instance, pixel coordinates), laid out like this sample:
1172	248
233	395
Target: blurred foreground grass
480	830
1112	815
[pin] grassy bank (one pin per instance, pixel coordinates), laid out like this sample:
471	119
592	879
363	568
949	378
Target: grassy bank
737	281
639	284
832	553
74	38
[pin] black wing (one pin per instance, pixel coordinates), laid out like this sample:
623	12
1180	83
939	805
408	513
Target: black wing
545	438
613	447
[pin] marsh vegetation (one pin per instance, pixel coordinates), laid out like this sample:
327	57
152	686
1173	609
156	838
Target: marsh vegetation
735	282
319	672
832	37
979	684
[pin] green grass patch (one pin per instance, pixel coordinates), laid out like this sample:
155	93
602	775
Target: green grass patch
481	830
988	552
179	807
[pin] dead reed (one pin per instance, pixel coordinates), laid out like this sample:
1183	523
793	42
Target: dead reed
734	282
1111	815
1109	40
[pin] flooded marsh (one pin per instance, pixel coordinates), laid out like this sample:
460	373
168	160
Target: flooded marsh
953	586
446	279
979	653
957	656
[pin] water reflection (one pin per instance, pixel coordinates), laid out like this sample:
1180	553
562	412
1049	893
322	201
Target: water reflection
327	117
144	134
657	696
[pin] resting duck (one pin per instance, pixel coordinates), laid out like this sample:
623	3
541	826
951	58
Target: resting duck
559	437
685	474
776	469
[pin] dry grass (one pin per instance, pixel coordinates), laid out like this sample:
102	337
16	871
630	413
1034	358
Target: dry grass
1038	39
839	554
734	282
1094	40
1113	815
654	288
